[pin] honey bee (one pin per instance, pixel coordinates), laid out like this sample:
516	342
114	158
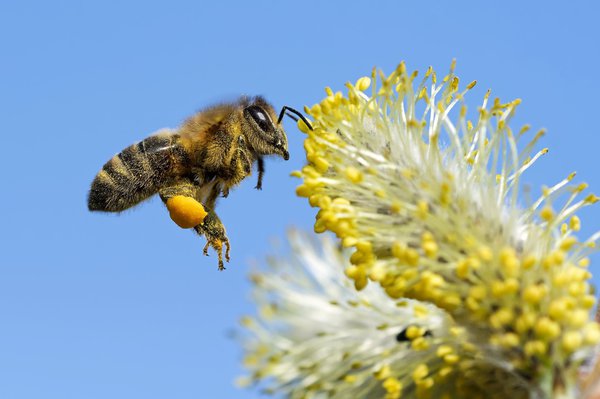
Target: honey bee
190	167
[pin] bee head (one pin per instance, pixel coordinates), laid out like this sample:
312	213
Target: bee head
265	136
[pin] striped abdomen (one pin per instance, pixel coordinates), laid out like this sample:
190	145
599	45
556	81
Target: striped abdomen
137	173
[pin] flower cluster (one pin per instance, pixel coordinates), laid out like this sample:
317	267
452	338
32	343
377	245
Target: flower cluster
429	202
317	337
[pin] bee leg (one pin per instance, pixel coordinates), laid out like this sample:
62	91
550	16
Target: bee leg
214	231
241	161
227	248
187	211
261	172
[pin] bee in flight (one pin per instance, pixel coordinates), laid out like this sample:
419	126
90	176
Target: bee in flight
192	166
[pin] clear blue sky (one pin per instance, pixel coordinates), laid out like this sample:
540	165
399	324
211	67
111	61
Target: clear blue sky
104	306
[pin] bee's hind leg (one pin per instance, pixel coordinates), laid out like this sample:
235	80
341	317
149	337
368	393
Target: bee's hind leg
214	231
187	211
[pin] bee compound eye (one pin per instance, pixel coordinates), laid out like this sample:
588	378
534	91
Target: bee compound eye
261	118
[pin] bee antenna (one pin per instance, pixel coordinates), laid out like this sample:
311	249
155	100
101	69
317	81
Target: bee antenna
292	116
292	110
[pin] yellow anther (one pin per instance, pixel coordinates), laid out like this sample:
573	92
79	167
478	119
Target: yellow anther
353	174
585	262
396	207
525	322
420	372
363	83
413	332
462	268
320	227
430	248
509	340
420	344
420	311
575	223
485	253
380	193
578	318
501	318
535	348
444	350
568	243
391	384
383	373
547	213
304	191
591	199
529	261
422	209
546	329
320	164
533	294
591	333
571	341
558	309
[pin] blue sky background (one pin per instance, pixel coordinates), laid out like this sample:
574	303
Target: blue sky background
105	306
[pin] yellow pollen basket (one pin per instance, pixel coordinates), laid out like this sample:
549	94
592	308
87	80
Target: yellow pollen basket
186	212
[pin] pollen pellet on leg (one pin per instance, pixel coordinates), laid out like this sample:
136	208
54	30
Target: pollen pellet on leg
186	212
